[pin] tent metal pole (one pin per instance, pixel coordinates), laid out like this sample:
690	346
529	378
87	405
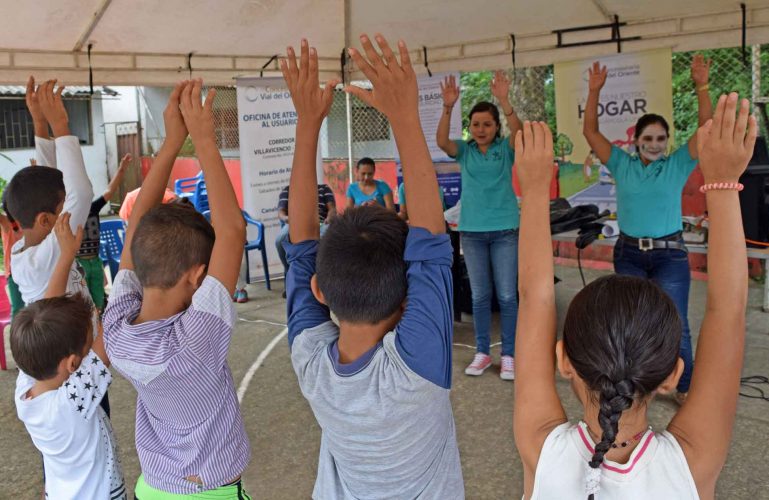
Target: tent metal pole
349	136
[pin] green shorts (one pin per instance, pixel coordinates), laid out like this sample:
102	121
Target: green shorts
17	303
232	491
94	277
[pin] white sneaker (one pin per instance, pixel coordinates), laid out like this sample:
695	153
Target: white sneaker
508	368
478	366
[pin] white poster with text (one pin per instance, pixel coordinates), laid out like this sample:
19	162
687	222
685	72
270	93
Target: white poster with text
430	110
267	129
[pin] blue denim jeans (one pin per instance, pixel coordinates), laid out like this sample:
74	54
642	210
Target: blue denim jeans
492	264
668	268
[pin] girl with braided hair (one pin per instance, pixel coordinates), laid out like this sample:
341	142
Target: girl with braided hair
620	347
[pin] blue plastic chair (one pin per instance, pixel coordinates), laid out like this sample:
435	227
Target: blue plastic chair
111	239
255	244
194	189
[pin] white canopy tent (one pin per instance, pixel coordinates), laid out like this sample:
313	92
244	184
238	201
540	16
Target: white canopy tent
144	42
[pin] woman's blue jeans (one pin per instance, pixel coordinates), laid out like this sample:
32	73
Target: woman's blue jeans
668	268
492	264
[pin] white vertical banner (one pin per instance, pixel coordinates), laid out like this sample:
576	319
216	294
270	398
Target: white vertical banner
267	129
431	108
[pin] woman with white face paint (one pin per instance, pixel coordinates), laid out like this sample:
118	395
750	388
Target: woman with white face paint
649	185
488	220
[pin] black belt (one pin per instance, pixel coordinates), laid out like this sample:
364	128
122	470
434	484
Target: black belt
673	241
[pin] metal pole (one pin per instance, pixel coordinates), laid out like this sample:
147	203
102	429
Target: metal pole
349	136
756	73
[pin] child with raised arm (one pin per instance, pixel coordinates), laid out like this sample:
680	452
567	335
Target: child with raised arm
88	255
170	319
62	378
37	195
620	347
379	382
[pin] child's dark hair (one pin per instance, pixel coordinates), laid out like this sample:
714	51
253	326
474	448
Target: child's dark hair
169	240
649	119
487	107
32	191
622	336
49	330
360	265
365	161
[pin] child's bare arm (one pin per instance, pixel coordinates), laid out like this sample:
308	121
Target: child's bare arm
312	104
69	243
537	406
115	182
395	95
33	105
703	425
226	216
154	185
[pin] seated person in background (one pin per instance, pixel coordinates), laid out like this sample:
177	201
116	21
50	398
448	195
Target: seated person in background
88	255
326	211
367	190
130	199
402	211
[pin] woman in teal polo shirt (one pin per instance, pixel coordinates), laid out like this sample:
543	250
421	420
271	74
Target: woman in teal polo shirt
649	187
367	190
488	220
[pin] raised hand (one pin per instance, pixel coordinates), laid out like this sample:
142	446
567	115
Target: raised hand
725	145
33	104
52	107
176	129
700	70
198	116
312	103
69	242
534	157
597	76
124	162
394	92
450	91
500	86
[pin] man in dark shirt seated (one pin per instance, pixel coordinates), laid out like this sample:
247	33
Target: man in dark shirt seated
326	210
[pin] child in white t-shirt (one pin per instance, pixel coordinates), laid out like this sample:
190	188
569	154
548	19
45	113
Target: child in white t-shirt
620	347
63	377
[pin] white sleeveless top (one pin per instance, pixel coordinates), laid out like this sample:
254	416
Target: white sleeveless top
656	469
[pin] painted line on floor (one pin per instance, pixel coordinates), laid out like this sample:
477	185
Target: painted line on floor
259	360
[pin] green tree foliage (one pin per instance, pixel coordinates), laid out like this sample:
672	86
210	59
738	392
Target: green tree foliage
533	92
727	74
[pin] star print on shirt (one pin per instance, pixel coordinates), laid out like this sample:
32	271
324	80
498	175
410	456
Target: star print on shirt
94	360
78	374
80	408
103	373
88	385
66	384
72	396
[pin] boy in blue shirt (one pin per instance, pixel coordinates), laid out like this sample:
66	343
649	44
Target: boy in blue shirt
379	382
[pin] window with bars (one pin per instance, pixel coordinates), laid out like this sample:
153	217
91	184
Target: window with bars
18	132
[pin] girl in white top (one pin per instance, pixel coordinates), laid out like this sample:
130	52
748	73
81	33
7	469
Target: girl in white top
620	347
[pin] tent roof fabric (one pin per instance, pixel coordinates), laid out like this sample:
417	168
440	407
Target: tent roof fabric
153	42
21	90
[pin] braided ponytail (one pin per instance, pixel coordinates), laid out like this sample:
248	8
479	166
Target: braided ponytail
613	400
622	336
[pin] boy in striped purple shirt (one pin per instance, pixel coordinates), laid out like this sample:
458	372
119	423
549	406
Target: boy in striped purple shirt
169	321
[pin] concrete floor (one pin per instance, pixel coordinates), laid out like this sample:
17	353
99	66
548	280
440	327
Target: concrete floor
285	438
